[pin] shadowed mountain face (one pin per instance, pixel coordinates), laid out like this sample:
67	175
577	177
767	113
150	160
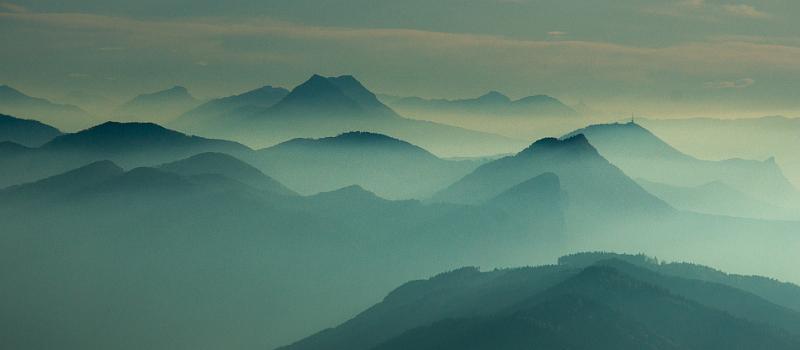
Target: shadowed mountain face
384	165
65	117
593	186
227	107
609	304
643	155
159	106
25	132
324	106
128	144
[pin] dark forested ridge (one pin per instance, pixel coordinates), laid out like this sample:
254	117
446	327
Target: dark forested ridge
587	301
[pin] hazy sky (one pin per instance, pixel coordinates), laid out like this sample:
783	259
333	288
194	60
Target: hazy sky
658	57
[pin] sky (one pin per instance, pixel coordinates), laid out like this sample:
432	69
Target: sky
653	57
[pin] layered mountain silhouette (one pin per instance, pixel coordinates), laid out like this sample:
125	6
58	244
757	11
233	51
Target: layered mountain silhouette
156	235
25	132
609	304
62	116
128	144
387	166
221	108
324	106
159	106
643	155
593	186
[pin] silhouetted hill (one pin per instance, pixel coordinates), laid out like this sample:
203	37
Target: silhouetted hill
387	166
65	117
112	138
323	106
228	166
609	305
594	187
159	106
227	107
643	155
26	132
343	96
62	184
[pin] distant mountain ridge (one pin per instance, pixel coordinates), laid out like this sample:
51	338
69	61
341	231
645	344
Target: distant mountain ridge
62	116
492	103
265	96
159	106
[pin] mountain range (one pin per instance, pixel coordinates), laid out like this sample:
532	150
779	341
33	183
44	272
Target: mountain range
63	116
324	106
128	144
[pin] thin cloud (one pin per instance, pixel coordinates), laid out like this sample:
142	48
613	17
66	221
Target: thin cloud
733	84
7	6
702	10
742	10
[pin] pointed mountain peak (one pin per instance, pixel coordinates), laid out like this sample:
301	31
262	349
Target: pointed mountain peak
495	97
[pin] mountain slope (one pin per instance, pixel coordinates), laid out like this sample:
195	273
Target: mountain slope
159	106
381	164
719	199
643	155
65	117
228	166
262	97
324	106
25	132
594	187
